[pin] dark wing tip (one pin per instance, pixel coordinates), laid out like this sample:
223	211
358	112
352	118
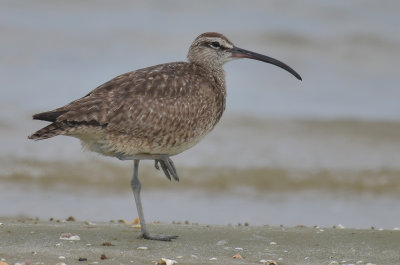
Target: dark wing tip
49	115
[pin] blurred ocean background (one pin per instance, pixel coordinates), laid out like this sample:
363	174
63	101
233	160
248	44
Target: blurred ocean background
324	151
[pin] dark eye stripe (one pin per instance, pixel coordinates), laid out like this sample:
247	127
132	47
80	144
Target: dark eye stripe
216	44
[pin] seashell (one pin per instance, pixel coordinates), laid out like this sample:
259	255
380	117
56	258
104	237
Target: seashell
237	256
69	236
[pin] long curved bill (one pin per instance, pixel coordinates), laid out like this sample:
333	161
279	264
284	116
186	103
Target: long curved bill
242	53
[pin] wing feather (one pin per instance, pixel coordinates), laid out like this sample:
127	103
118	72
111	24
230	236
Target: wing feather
143	101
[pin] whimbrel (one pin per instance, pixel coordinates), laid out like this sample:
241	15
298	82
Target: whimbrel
155	112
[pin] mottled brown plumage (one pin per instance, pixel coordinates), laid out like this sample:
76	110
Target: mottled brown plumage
163	109
154	112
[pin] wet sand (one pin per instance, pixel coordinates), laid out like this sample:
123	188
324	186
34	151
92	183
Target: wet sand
39	242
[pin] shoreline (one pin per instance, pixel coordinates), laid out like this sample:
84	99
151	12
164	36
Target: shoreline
39	242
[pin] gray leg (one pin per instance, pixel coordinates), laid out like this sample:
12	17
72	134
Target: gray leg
136	186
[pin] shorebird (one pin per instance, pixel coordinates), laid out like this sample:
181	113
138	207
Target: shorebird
155	112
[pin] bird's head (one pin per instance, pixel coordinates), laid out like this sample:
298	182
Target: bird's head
213	50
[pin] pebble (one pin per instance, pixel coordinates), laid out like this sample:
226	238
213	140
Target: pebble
70	219
61	257
334	262
268	262
193	256
237	256
272	243
222	242
360	262
62	263
238	248
142	248
339	226
167	261
213	258
370	263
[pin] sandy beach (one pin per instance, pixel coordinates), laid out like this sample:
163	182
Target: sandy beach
39	242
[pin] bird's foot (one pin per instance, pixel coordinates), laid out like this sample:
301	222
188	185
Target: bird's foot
168	167
158	237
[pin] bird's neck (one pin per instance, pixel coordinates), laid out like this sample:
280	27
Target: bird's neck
216	71
216	77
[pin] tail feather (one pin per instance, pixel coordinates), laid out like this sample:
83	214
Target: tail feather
49	131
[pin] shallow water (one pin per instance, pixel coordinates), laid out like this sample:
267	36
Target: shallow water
323	151
199	206
299	172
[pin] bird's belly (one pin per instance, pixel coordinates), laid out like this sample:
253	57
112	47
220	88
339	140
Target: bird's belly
116	144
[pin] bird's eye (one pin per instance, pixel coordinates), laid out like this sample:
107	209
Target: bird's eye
215	44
